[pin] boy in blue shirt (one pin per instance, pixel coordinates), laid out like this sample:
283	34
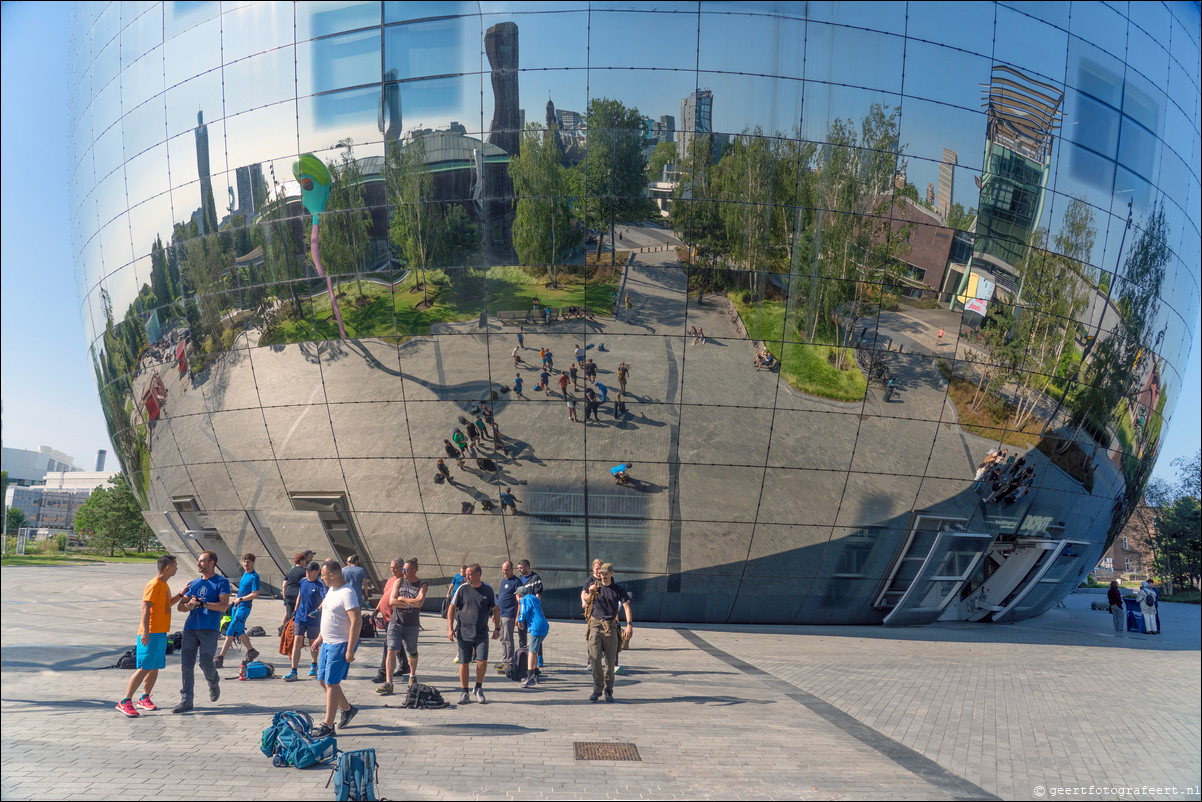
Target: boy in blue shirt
307	621
532	619
248	591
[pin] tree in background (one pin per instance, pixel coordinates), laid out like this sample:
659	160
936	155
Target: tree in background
542	226
959	219
346	223
14	519
664	154
614	170
416	220
113	519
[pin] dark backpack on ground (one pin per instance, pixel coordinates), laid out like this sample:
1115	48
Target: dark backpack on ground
288	741
467	508
486	464
368	628
257	632
423	697
439	478
487	505
127	660
354	776
462	421
174	642
517	670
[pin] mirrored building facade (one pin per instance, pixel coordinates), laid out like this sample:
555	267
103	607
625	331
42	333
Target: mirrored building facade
316	243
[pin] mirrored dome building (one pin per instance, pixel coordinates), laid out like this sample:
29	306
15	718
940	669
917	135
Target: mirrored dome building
851	313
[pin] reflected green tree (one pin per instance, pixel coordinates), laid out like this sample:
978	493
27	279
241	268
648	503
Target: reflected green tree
614	170
416	221
346	223
542	226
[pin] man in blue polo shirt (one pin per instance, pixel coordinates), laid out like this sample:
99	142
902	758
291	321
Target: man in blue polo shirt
248	591
204	601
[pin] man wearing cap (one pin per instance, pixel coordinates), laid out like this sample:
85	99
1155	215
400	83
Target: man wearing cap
307	621
603	636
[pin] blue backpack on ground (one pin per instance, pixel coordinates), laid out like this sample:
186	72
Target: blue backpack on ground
355	775
288	742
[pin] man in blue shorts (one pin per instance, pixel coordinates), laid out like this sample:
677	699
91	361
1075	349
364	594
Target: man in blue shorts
248	591
339	638
152	637
204	601
471	607
307	621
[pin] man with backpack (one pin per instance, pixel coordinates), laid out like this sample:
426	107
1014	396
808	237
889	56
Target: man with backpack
1147	597
248	591
152	637
204	600
341	618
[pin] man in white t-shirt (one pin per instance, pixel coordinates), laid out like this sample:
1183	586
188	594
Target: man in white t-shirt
339	638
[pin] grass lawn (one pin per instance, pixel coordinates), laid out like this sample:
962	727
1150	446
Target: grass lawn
808	368
383	311
56	558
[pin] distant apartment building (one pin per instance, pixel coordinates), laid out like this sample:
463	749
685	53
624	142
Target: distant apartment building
53	505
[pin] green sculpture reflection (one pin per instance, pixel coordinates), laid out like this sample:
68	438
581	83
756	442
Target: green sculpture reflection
315	180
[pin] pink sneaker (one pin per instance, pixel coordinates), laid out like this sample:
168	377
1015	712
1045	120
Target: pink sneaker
127	708
145	704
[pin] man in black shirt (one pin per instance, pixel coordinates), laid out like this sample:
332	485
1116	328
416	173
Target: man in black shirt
471	606
529	577
603	600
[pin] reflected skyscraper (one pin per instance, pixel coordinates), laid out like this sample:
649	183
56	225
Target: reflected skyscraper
947	185
208	204
696	116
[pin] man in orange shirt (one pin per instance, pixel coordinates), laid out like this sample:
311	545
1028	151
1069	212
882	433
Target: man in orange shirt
152	637
385	608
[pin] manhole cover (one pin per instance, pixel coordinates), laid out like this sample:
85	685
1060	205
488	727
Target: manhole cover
594	750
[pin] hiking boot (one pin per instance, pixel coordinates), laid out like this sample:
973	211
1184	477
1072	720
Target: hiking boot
464	698
345	717
219	661
609	696
127	707
214	691
527	683
145	704
182	707
312	669
379	677
252	655
323	731
291	676
595	697
479	694
385	689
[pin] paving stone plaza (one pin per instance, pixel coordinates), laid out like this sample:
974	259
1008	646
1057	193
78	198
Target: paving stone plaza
946	711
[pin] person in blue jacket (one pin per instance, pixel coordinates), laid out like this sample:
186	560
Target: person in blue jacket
307	621
530	616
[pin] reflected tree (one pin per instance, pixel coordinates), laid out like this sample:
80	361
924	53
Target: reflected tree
346	224
1053	292
542	227
416	220
615	175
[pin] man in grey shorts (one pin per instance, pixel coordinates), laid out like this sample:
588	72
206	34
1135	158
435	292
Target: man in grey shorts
408	596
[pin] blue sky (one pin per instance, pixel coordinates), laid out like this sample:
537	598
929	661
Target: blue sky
48	392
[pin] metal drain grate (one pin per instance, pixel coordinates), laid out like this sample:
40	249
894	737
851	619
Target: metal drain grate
596	750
